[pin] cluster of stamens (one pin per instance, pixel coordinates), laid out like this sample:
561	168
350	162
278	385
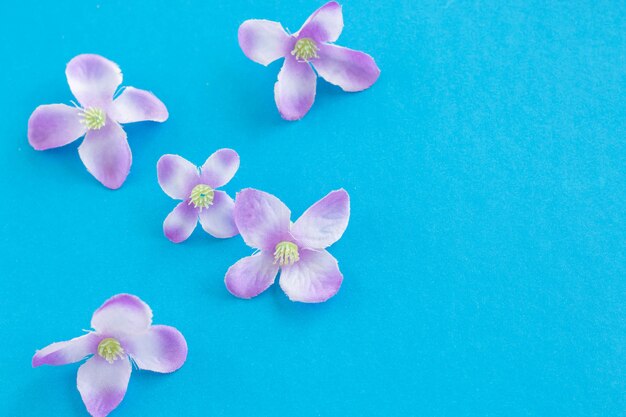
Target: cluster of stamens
201	196
286	253
110	349
305	49
93	118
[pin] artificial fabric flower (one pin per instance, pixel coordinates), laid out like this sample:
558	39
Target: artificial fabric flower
197	187
105	152
123	333
308	272
264	41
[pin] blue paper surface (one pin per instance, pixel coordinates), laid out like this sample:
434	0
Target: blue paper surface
485	259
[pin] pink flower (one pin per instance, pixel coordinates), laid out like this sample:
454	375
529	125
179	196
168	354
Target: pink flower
197	187
264	41
105	151
308	272
123	333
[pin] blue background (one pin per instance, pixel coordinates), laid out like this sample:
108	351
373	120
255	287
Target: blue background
485	258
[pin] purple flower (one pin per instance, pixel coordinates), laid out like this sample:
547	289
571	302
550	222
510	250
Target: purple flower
264	41
105	151
123	333
197	187
308	272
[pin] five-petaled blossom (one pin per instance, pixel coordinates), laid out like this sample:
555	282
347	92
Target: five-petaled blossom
122	333
182	180
105	152
308	272
264	41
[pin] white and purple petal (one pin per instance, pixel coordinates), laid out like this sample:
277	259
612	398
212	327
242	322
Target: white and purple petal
93	80
324	222
219	168
294	92
177	176
122	314
251	275
262	219
217	219
160	349
313	279
324	25
61	353
264	41
54	125
106	154
181	222
349	69
135	105
102	385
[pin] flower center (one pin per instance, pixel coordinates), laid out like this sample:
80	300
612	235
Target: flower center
93	118
110	349
201	196
305	49
286	253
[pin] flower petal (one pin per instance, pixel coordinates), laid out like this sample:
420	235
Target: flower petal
106	154
324	222
135	105
160	349
217	220
294	92
54	125
349	69
177	176
102	385
122	314
93	80
251	275
181	222
262	219
313	279
219	168
61	353
263	41
324	25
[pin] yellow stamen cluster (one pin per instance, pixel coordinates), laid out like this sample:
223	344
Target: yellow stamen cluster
286	253
305	49
93	118
110	349
201	196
